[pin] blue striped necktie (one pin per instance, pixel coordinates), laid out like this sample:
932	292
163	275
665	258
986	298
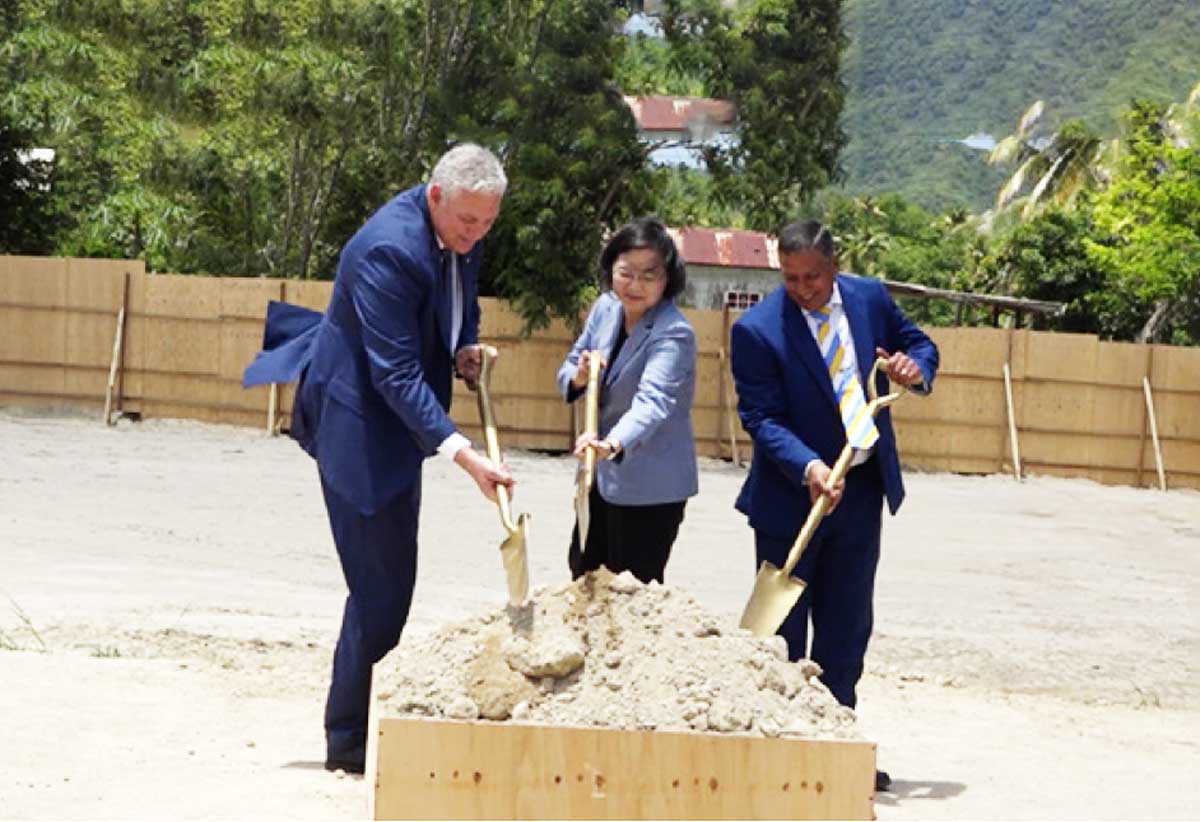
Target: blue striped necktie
852	403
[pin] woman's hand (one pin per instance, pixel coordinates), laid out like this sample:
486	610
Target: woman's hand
604	448
581	374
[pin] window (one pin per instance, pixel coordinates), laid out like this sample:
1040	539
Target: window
741	299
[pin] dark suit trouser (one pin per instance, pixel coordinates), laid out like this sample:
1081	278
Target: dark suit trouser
635	538
379	560
839	566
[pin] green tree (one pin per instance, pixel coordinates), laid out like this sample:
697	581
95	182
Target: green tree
25	223
777	61
1046	258
542	92
1147	236
1056	169
246	137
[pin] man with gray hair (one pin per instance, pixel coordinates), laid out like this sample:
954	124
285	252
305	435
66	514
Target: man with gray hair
376	372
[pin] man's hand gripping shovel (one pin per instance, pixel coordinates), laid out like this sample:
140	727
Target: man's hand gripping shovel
513	549
776	591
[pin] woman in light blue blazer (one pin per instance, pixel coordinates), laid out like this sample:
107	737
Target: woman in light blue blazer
645	448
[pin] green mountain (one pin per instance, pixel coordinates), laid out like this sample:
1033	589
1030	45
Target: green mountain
922	74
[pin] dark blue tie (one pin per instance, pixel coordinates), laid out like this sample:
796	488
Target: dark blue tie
446	299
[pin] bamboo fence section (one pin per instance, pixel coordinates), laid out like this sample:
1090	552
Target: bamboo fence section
1078	404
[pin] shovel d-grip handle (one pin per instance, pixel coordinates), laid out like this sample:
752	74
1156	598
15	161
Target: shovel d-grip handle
487	357
840	467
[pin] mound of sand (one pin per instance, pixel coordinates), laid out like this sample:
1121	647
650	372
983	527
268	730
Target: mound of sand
608	651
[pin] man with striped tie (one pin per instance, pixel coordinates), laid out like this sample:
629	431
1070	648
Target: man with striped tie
800	361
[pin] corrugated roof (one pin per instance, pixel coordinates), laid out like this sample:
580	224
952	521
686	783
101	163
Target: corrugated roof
658	113
730	247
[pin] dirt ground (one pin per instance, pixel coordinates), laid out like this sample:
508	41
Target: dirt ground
169	597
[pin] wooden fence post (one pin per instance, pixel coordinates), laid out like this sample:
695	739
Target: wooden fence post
727	404
273	394
1158	461
115	366
1012	422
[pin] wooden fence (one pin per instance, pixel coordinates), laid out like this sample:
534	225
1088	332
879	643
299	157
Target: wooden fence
1079	403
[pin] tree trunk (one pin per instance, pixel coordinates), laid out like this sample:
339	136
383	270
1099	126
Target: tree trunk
1154	325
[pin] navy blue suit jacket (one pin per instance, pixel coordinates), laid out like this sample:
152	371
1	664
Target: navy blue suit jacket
786	401
377	368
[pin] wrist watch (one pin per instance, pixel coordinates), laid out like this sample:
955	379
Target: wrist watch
614	449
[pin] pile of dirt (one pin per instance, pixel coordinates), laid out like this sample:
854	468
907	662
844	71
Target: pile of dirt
608	651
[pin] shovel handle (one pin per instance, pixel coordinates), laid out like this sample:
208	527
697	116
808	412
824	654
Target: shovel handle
821	506
591	413
487	356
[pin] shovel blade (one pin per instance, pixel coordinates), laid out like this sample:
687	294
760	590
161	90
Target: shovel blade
582	509
774	596
516	562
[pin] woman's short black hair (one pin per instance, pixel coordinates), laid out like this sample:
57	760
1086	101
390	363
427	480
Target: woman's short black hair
645	232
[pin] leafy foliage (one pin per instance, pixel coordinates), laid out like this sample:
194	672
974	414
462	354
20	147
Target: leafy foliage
777	61
24	195
1148	236
247	137
924	73
1046	259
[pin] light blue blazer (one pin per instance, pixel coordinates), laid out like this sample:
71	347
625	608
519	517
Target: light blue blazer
645	402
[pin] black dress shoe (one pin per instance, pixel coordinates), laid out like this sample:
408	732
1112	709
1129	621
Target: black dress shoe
353	760
882	781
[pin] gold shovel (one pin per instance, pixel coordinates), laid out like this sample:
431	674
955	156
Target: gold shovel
586	473
512	550
776	591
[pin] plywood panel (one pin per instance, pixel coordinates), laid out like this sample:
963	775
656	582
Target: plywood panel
1178	456
528	367
183	389
89	338
34	281
429	769
33	335
978	351
1081	450
513	414
500	322
1177	369
1054	406
177	295
239	341
230	395
709	328
178	410
248	297
943	439
958	465
87	382
1184	481
1178	415
976	401
1117	410
1121	363
1048	355
97	284
247	419
182	346
32	379
1116	452
312	294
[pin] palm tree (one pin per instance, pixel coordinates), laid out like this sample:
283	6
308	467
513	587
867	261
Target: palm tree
1064	165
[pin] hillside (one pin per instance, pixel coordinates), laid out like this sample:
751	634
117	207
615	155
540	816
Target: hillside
923	73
